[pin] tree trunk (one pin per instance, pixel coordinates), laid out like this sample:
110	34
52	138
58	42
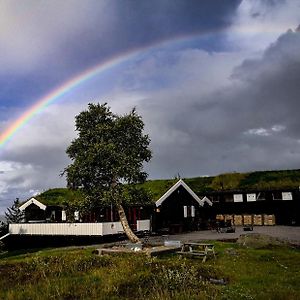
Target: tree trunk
132	237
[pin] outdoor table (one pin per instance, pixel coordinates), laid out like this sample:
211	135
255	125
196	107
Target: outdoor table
197	249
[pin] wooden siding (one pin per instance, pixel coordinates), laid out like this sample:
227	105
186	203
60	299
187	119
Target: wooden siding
76	229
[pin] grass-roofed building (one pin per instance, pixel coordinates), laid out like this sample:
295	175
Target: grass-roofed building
177	205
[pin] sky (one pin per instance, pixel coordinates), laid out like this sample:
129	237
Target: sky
217	83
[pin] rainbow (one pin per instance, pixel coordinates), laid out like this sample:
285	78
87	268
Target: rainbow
79	79
57	93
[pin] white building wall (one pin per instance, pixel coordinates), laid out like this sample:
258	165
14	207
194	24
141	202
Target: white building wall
142	225
80	229
57	229
112	228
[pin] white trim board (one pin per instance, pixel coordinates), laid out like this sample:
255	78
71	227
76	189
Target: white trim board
207	200
32	201
4	236
187	188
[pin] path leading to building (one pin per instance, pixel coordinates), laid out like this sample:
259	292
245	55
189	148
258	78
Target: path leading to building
290	233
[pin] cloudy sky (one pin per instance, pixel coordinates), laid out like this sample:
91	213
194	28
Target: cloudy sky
216	82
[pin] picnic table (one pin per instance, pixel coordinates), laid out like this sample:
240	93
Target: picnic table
198	250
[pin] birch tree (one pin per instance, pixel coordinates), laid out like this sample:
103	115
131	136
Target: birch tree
107	157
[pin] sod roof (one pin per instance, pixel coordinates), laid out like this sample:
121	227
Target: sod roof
262	180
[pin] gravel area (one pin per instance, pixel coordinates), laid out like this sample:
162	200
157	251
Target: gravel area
290	233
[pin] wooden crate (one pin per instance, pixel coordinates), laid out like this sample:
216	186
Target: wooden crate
258	220
228	218
247	220
238	220
269	220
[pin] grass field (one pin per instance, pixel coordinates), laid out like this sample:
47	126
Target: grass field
271	272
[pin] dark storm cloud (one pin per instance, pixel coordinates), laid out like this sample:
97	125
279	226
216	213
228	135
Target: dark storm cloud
143	21
273	84
252	125
101	30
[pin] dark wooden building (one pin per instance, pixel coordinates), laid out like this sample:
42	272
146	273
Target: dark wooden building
180	209
283	204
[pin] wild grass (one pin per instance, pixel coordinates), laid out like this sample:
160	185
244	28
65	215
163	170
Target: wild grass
267	273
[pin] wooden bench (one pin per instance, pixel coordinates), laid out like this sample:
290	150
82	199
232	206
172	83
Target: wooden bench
198	250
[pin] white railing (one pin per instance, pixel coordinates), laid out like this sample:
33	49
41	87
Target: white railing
80	229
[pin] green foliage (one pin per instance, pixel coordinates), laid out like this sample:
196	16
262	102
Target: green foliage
3	228
136	194
13	213
109	152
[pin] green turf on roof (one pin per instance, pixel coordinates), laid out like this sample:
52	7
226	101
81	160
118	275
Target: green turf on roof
200	185
58	196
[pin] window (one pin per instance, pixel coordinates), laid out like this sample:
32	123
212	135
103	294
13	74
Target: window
287	196
215	199
277	195
228	198
261	196
76	215
251	197
63	215
192	211
238	198
188	211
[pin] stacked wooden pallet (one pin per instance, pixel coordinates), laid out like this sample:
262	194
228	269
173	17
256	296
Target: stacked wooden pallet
258	220
269	219
238	220
248	220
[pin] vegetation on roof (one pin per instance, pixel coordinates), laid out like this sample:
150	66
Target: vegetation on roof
59	196
231	181
286	179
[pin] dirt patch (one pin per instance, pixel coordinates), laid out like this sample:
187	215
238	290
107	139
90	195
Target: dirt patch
258	240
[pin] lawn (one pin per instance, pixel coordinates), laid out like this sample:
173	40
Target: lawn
248	273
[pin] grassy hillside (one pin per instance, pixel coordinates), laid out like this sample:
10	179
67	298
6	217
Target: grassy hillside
200	185
269	273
